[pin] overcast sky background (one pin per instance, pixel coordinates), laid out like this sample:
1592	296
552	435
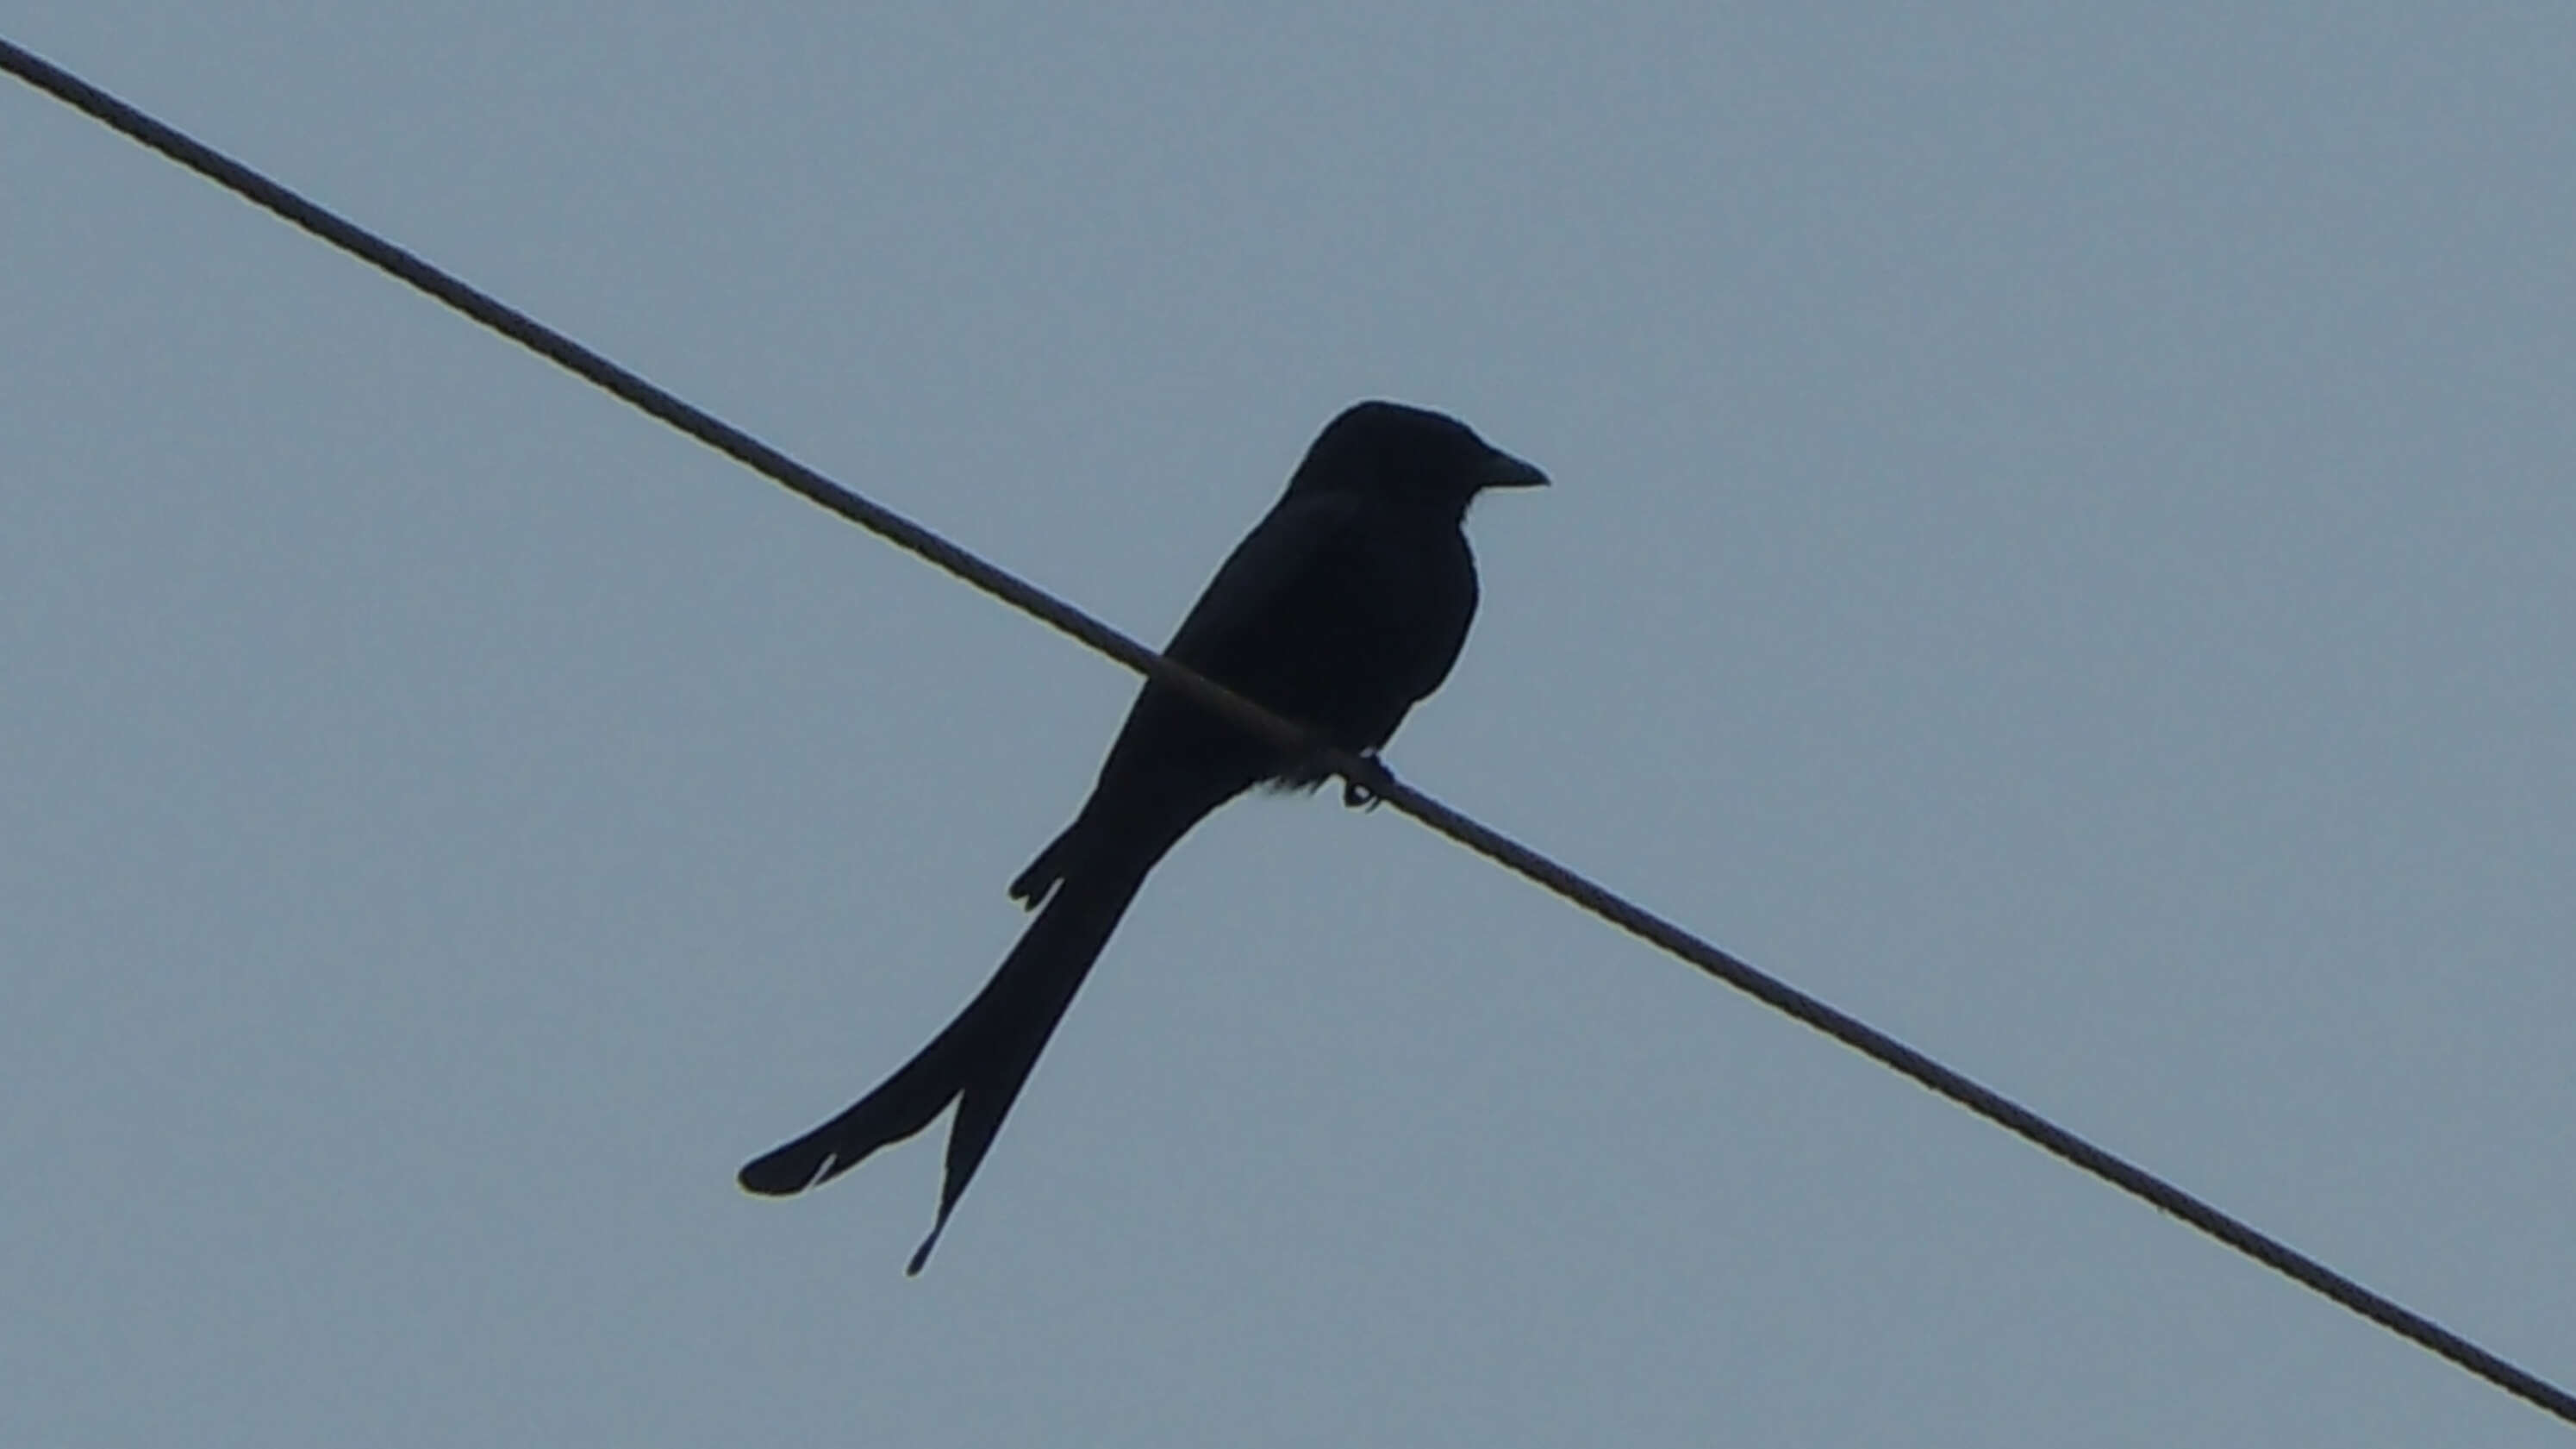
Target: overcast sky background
2062	547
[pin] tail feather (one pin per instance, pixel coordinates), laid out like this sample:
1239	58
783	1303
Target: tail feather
1031	886
905	1103
981	1059
1068	935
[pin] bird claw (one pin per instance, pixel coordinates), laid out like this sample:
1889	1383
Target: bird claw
1369	793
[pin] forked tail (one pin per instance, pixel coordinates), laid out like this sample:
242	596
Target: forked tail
981	1059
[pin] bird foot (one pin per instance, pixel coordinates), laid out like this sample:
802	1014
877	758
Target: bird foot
1367	790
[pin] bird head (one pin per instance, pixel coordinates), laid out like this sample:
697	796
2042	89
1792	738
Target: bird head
1413	455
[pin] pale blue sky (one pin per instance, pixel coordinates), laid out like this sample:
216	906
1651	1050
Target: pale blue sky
2064	529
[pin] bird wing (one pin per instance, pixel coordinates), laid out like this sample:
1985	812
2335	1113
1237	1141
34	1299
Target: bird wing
1253	590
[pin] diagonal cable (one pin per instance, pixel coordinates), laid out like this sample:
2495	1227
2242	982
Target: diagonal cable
1365	774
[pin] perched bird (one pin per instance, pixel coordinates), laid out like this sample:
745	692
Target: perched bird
1342	607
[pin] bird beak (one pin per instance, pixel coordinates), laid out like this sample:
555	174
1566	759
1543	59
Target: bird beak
1502	470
